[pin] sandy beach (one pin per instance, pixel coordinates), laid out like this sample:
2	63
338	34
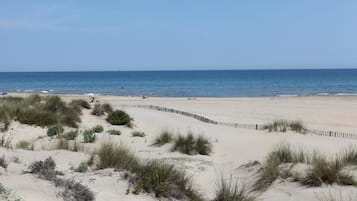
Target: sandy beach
232	147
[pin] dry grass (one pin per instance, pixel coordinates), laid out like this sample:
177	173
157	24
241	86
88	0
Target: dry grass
285	125
164	138
192	145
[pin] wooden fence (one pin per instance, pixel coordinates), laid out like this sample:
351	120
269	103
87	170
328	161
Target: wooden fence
239	125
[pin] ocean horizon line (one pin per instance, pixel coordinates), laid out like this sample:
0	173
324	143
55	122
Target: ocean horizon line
185	70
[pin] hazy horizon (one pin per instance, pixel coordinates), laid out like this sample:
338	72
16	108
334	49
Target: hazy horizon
177	35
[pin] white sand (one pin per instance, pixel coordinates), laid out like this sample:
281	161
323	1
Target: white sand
232	146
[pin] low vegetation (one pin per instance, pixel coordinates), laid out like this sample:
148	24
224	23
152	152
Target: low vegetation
101	109
155	177
284	126
73	190
79	103
119	117
3	162
89	136
114	132
164	138
192	145
83	167
6	141
24	144
138	134
38	111
231	191
98	129
55	130
321	170
71	135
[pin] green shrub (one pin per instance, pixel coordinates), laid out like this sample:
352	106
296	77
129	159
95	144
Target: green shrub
37	118
229	191
119	117
83	167
192	145
114	132
98	129
163	138
137	134
89	136
71	135
55	130
23	144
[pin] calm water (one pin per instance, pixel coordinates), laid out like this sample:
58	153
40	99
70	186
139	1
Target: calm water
227	83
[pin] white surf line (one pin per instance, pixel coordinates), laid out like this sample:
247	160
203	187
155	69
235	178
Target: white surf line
239	125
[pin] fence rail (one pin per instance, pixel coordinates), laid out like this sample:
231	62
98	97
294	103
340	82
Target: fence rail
240	125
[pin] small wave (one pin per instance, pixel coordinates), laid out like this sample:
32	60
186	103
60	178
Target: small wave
323	94
288	95
28	90
346	94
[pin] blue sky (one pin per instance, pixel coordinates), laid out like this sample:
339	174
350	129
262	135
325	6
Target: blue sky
52	35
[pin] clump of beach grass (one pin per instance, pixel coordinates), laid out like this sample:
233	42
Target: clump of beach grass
324	171
192	145
349	155
24	144
114	156
55	130
71	135
138	134
114	132
119	117
153	176
89	136
82	167
98	129
164	138
231	191
284	126
269	172
80	102
6	141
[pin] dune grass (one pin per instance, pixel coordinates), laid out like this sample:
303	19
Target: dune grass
192	145
322	170
153	176
138	134
98	129
114	132
39	111
349	155
55	130
24	144
72	190
164	138
82	167
89	136
101	109
71	135
231	191
284	126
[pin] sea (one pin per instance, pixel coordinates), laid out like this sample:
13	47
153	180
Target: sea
205	83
